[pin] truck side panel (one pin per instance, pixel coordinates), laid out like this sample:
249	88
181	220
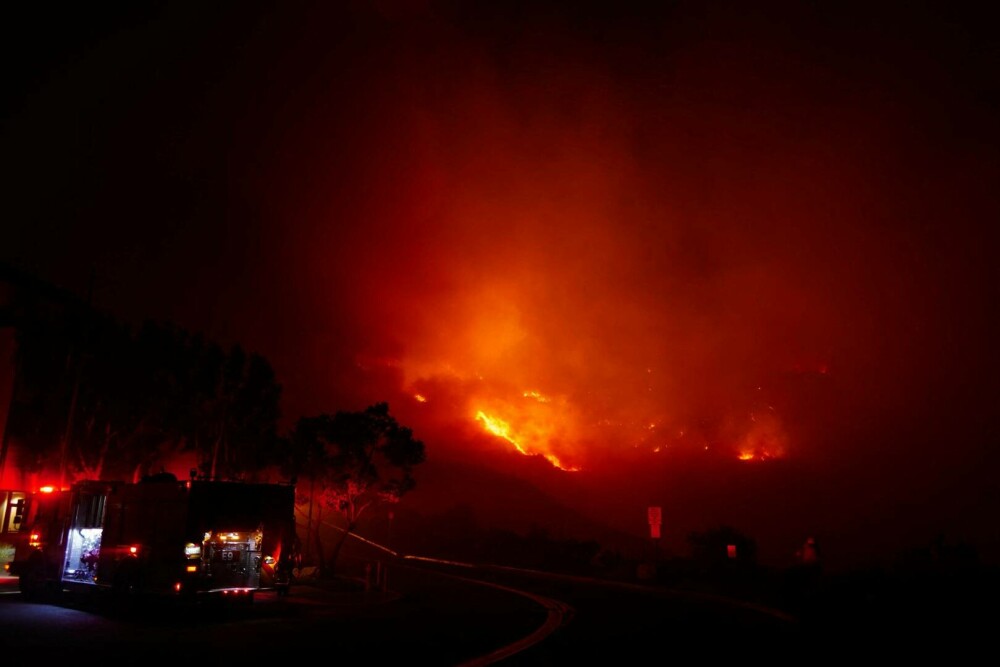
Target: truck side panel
142	546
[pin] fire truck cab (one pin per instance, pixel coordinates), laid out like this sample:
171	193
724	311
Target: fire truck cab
14	521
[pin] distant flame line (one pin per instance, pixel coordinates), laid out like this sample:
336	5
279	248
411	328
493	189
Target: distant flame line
500	428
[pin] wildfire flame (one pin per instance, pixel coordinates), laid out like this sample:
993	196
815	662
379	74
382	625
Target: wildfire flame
496	375
499	428
502	429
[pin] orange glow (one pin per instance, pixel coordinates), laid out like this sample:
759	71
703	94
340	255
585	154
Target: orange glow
177	587
707	257
191	568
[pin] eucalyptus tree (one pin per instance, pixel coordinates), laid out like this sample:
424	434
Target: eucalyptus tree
351	462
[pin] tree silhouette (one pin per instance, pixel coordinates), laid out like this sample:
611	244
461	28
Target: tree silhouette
352	461
98	400
43	385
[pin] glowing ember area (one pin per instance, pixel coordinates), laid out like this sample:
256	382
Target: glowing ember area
759	455
764	438
571	427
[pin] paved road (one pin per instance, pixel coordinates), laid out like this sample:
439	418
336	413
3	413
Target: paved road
440	616
624	624
457	616
437	619
461	616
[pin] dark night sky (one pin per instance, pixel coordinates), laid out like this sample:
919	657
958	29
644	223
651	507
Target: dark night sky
760	228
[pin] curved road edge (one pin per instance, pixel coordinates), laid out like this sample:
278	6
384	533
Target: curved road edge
557	615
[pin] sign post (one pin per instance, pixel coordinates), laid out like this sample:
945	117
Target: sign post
655	516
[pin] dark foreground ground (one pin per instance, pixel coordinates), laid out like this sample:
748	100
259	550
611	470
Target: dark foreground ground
917	609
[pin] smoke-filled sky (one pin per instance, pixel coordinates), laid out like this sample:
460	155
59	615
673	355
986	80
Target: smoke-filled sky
760	228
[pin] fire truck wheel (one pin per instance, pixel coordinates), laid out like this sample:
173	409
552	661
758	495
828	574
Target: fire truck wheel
31	582
124	581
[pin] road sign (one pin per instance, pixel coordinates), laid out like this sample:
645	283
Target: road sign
655	515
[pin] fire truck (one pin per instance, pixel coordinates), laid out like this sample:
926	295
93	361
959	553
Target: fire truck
160	536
